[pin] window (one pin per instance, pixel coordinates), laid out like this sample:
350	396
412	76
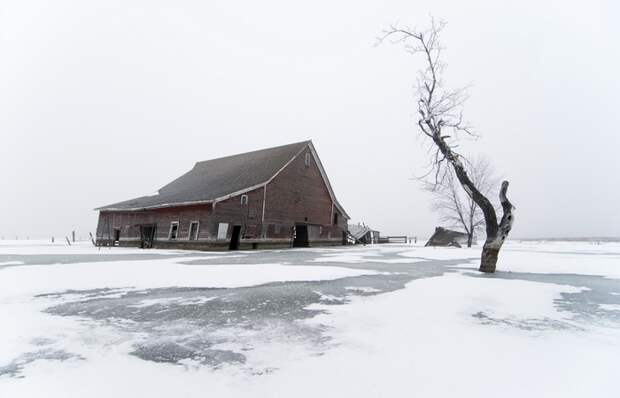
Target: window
193	230
222	231
174	230
307	161
244	200
335	218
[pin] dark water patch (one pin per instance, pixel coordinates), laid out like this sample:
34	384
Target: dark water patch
171	352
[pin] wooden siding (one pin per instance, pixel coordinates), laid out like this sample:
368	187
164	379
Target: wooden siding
233	212
299	195
129	221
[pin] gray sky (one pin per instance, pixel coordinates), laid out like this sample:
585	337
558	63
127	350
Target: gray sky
102	101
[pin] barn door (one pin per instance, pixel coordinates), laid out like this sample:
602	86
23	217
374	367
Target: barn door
234	239
147	235
301	236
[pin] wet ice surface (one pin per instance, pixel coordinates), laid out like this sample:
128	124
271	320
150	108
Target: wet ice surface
190	325
10	260
596	303
215	327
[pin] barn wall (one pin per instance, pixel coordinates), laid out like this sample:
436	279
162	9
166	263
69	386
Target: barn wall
230	211
129	221
299	195
233	212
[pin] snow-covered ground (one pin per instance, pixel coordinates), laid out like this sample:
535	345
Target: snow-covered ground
373	321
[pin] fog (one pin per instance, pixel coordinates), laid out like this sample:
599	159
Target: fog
103	101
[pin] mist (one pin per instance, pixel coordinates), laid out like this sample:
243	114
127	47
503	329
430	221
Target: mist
106	101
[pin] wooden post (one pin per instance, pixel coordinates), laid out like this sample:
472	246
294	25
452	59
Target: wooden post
73	236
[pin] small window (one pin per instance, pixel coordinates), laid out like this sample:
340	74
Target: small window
244	200
193	230
307	161
335	218
174	230
222	231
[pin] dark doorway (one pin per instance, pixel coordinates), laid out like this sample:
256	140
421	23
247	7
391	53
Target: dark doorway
117	236
301	236
147	235
234	238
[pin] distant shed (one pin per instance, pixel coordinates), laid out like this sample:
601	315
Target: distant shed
447	237
363	234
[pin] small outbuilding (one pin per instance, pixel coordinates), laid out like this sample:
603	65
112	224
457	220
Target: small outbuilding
447	237
275	197
360	233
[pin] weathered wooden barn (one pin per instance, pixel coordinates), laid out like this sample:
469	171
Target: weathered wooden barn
270	198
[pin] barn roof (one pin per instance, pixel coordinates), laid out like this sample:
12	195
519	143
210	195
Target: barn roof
218	179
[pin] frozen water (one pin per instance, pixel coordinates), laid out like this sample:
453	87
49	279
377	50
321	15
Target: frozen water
252	319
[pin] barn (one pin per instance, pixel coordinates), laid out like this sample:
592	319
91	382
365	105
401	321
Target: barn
270	198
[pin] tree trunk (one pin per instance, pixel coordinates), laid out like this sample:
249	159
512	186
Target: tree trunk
488	261
470	238
493	244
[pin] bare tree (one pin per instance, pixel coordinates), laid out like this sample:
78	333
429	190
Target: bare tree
441	121
455	207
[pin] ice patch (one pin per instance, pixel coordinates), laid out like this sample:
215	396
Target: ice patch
11	263
363	289
148	274
358	258
433	337
150	302
610	307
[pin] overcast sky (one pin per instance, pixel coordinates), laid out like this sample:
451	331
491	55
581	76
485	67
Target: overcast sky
102	101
